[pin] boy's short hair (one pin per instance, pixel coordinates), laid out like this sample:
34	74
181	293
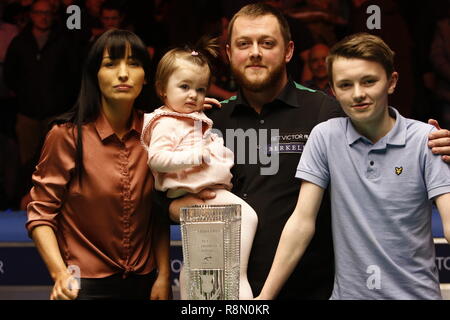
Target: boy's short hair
362	46
261	9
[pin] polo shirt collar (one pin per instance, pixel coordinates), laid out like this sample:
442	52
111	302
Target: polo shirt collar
396	136
105	130
287	96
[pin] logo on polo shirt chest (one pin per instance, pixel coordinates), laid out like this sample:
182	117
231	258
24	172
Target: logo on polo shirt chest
289	142
398	170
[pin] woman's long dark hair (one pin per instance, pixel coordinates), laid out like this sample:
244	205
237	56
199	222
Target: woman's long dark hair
88	105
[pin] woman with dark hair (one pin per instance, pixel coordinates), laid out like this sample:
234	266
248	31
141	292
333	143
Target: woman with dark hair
91	212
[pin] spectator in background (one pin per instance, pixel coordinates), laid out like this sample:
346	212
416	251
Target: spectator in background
41	68
440	59
317	64
56	7
321	19
307	21
93	8
90	19
111	16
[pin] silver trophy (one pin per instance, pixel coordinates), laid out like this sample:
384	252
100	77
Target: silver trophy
211	237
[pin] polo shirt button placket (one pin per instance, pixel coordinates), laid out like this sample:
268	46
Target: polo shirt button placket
372	170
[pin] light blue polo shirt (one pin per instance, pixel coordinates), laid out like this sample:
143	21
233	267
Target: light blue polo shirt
381	207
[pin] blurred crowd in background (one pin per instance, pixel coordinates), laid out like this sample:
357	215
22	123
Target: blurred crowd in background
41	59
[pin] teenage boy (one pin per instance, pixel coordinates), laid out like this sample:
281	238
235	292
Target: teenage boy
383	179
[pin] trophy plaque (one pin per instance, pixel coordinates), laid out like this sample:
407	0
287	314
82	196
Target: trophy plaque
211	237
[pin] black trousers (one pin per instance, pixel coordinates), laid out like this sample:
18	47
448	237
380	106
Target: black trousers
115	287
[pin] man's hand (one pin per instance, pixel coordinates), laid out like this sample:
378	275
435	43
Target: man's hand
65	288
189	200
439	141
211	102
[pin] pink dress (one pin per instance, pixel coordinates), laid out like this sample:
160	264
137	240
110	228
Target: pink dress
183	154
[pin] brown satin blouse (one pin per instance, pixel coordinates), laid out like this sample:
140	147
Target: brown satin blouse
104	225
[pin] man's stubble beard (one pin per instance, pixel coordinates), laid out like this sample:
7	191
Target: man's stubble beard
271	81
